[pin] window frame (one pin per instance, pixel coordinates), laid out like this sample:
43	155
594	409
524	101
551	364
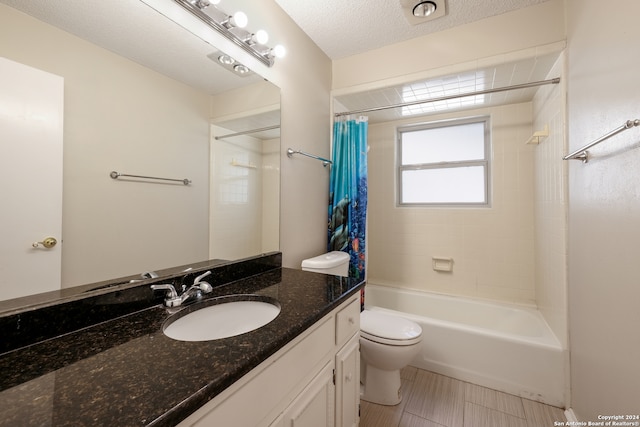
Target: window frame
485	163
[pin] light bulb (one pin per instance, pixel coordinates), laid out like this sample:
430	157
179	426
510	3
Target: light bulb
240	19
241	69
261	37
279	51
226	59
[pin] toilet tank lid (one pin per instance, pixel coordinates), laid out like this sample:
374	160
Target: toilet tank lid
388	326
328	260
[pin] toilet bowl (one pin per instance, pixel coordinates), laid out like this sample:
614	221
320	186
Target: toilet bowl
387	344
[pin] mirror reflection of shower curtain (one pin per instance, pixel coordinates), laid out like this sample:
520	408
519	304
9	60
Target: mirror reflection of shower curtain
348	192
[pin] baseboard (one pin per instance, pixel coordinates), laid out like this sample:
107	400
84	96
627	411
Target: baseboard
570	415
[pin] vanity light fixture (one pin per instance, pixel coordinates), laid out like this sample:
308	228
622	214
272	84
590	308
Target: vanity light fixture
230	64
202	4
424	9
226	59
241	69
232	27
239	20
260	37
278	51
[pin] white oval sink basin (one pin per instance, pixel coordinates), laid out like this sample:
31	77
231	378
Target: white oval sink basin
223	320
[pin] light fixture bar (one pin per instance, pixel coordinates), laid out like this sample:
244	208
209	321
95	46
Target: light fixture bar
194	10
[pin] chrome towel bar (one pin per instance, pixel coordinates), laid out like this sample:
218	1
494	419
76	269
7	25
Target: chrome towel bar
583	154
325	162
116	175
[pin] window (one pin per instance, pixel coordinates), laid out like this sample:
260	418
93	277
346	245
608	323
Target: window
444	163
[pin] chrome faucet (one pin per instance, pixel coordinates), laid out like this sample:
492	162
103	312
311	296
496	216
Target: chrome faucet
172	299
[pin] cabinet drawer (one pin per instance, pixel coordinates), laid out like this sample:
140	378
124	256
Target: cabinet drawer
348	321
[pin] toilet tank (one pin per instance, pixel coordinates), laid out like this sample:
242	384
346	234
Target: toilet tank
336	263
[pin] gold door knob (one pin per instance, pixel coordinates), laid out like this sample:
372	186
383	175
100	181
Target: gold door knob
48	242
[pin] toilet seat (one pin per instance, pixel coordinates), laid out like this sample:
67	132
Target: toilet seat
387	329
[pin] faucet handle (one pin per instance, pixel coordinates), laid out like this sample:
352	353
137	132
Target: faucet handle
205	287
172	299
168	287
200	277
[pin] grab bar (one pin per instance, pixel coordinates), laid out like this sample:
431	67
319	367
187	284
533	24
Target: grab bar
325	162
583	154
116	175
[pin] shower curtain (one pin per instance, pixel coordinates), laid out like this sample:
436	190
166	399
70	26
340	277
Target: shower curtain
348	192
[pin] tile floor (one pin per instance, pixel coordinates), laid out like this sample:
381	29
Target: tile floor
434	400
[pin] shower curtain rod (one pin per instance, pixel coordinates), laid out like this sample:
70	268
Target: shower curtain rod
446	98
246	132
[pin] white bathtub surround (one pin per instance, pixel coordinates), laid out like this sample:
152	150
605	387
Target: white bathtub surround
493	248
504	347
571	416
550	205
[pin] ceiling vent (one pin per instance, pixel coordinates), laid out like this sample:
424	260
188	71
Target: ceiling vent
421	11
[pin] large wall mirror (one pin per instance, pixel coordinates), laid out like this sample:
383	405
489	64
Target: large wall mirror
144	96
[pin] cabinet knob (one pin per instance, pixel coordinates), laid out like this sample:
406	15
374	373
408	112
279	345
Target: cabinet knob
348	377
351	320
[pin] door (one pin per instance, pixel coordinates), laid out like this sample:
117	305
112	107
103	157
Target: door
348	384
314	406
31	124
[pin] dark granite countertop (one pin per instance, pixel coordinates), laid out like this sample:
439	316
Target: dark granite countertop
125	372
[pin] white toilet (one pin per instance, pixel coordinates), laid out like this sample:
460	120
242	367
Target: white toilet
387	343
336	263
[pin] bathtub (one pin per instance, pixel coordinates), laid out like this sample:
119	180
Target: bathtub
504	347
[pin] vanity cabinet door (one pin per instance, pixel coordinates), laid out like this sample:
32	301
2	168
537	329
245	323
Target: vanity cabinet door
314	406
348	384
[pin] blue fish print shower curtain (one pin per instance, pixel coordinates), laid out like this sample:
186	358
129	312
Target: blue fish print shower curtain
348	192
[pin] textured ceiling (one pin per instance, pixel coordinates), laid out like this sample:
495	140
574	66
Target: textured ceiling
343	28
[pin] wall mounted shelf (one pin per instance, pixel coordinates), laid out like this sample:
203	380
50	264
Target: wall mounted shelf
539	136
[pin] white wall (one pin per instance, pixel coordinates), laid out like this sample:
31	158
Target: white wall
492	248
304	77
120	116
604	208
